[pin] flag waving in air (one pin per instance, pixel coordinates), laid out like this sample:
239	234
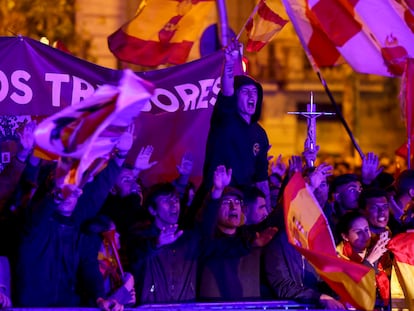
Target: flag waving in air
162	32
263	26
307	229
90	129
374	37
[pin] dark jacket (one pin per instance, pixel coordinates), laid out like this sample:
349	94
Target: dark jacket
236	144
169	273
56	261
289	274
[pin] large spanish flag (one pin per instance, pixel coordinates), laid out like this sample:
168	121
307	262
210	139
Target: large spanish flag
373	36
263	26
308	230
402	246
162	32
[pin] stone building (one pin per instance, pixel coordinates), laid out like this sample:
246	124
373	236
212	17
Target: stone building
370	104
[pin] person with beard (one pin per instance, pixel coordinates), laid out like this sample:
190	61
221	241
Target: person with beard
124	202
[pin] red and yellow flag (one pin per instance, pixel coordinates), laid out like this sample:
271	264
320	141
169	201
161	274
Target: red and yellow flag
402	246
308	230
332	31
89	130
263	26
162	32
407	110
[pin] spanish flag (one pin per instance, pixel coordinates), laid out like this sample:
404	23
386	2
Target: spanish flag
88	131
308	230
402	246
263	26
162	32
334	31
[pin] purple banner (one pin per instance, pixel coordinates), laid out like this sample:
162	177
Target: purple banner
39	80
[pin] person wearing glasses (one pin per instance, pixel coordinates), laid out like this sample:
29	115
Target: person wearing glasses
164	257
237	277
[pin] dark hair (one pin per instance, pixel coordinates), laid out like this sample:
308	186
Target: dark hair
370	193
242	80
251	194
342	180
346	221
384	181
404	182
157	190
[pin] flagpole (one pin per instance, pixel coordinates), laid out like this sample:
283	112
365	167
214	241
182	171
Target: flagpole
224	29
339	114
256	8
408	110
325	85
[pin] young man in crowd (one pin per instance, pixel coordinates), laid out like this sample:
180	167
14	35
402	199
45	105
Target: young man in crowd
57	263
235	139
164	259
238	277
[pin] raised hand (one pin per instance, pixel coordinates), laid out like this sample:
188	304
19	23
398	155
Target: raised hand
278	167
370	168
142	162
295	164
379	248
27	136
232	52
310	155
27	141
319	175
169	235
126	140
186	165
222	177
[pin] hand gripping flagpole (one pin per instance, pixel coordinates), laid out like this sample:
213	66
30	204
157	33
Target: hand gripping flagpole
289	11
311	114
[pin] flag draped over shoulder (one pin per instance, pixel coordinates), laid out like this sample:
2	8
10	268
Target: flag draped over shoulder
402	246
162	32
263	26
308	230
373	36
90	129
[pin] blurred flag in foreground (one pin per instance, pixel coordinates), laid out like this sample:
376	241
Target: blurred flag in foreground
162	32
407	107
263	26
374	37
402	246
308	230
90	129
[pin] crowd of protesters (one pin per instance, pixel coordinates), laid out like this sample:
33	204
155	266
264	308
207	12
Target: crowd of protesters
113	243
